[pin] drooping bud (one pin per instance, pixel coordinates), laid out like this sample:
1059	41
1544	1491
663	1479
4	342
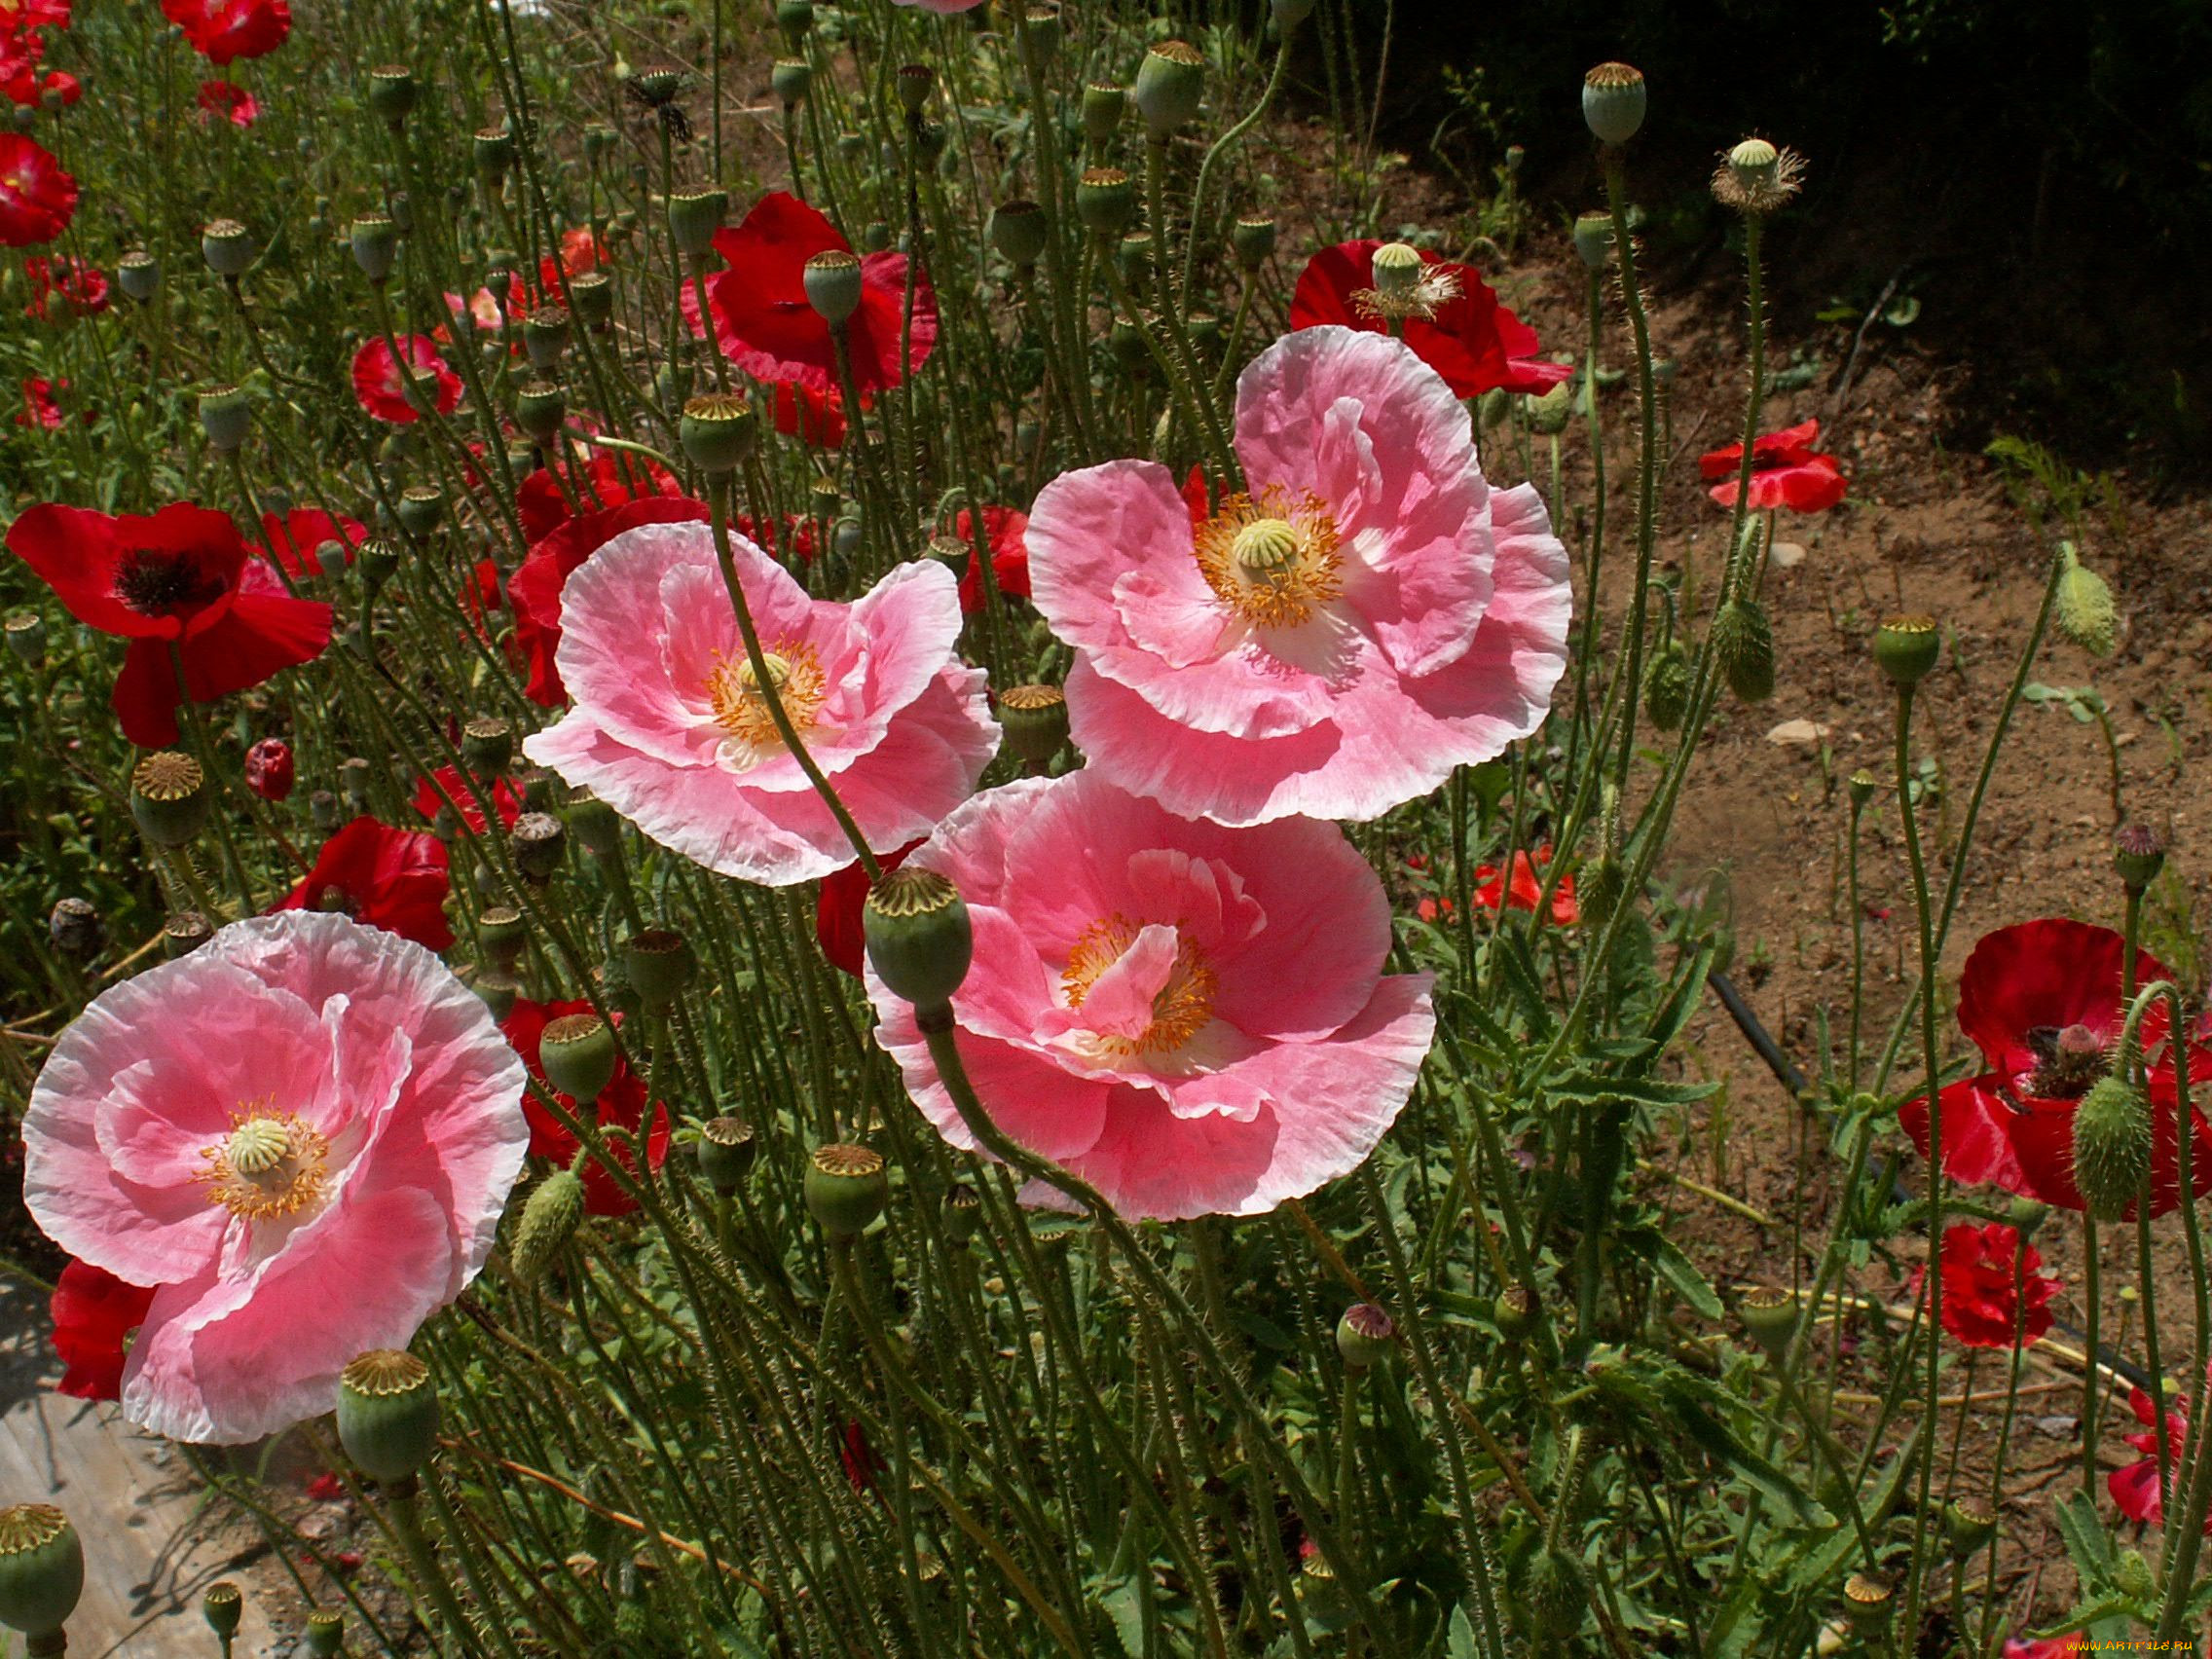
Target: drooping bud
1594	239
1770	1318
226	246
2086	614
76	929
168	799
1102	110
727	1151
223	1606
1018	231
1547	416
846	1188
2111	1146
375	241
226	416
578	1054
919	939
1906	648
1557	1593
1366	1335
718	432
660	963
1035	718
1105	201
549	1220
832	280
693	218
1743	643
42	1569
387	1414
1667	686
1171	83
539	839
1252	238
2137	855
1612	102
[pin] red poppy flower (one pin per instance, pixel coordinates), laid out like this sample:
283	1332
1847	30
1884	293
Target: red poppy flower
1978	1305
1007	532
621	1107
2057	1647
581	251
2135	1489
180	575
383	392
796	543
1196	498
298	538
534	591
394	879
65	287
229	100
445	784
606	480
1786	472
37	199
2041	1003
862	1463
815	415
20	17
39	406
1472	341
1527	887
326	1487
94	1314
837	912
28	84
1429	910
222	31
269	769
767	326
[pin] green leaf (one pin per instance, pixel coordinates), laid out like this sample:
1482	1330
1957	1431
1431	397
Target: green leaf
1681	1274
1262	1329
2087	1541
1459	1641
1124	1607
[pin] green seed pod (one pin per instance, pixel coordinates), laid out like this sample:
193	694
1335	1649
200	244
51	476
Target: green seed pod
693	218
1969	1524
2137	855
226	416
393	93
832	280
540	410
963	1209
1667	686
1612	102
1557	1594
502	932
377	560
660	963
387	1415
1906	648
223	1606
911	84
25	631
421	509
537	841
545	336
1043	24
791	79
487	744
1744	645
846	1188
578	1054
185	932
795	18
549	1220
727	1151
493	151
1289	14
1035	718
2112	1147
1105	201
168	799
227	247
1515	1312
718	432
1867	1602
598	825
591	297
42	1569
1102	110
1594	239
353	776
139	275
1018	231
1135	257
1252	238
2086	614
1862	787
1366	1335
498	990
326	1632
375	241
919	939
1770	1318
1171	83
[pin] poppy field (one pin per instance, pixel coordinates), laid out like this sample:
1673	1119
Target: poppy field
840	830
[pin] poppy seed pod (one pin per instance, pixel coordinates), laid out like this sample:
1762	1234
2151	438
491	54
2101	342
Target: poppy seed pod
493	151
226	246
912	84
919	939
393	91
1396	266
1252	238
539	841
1866	1602
379	562
660	963
375	241
1102	110
2137	855
42	1569
1105	201
591	297
139	275
421	509
1515	1311
1366	1335
1289	14
598	825
727	1151
168	799
693	218
1612	102
1969	1524
76	930
1906	648
545	336
1018	231
1136	256
387	1414
185	932
223	1606
1743	643
502	932
578	1054
226	416
2112	1147
1594	239
791	79
1770	1318
795	18
487	744
1171	83
832	280
716	431
550	1217
25	630
1035	720
326	1633
846	1188
539	409
1044	26
963	1209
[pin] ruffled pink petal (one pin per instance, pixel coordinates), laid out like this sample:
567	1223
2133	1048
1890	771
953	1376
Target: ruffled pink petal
1038	1104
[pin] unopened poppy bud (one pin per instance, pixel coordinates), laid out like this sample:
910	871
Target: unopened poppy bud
1743	643
1102	110
421	509
832	280
1366	1335
2086	614
2025	1216
2131	1575
545	336
326	1632
591	297
963	1209
1252	239
226	416
1667	686
661	963
139	275
1547	416
846	1188
1612	102
727	1151
539	841
1171	82
487	744
184	933
1770	1316
1906	650
2137	855
25	630
2112	1147
598	825
1594	239
911	84
1018	231
387	1415
795	18
716	431
550	1218
1105	201
1035	718
226	246
1492	408
76	929
578	1054
393	91
919	939
493	151
42	1569
223	1606
1557	1593
540	410
375	241
1969	1524
268	768
168	799
693	218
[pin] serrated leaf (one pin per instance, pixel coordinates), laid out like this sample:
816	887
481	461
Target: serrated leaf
2087	1541
1679	1272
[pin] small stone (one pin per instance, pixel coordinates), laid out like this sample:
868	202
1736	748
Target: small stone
1787	554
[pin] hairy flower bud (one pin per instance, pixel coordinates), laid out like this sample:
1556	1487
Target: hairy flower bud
1557	1593
2084	607
1667	686
1743	643
2112	1147
549	1220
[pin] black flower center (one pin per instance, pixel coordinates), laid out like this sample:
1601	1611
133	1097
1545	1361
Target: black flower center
159	583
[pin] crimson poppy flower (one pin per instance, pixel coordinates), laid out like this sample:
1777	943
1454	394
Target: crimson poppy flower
2042	1000
37	199
230	101
222	31
1527	887
813	415
269	770
65	287
621	1107
328	1487
1786	472
298	538
381	389
445	784
837	912
394	879
180	577
767	326
581	251
21	17
1980	1308
797	541
39	406
862	1463
1007	532
1476	344
606	480
2057	1647
94	1314
534	591
2135	1489
28	84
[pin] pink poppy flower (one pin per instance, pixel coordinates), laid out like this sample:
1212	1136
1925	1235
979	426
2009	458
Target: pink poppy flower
1333	643
230	101
302	1134
669	729
534	589
40	407
1193	1018
383	391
